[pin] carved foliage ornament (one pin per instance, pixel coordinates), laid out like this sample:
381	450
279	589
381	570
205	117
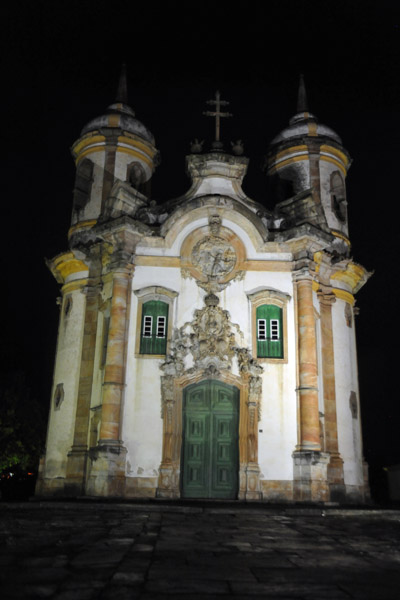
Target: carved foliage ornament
208	344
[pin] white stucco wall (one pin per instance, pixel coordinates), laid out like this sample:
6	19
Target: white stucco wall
346	381
66	371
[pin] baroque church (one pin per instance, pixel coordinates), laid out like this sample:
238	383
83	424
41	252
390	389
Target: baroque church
206	345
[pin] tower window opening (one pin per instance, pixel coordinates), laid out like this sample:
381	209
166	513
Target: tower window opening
338	196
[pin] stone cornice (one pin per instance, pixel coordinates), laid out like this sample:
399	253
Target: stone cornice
353	275
65	265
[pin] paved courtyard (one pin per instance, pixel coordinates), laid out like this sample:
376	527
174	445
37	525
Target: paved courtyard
84	550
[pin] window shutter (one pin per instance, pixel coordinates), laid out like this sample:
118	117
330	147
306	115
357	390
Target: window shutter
153	335
269	331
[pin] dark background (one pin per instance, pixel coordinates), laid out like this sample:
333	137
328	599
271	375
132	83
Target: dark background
60	67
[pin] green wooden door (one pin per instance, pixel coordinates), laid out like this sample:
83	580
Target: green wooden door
210	446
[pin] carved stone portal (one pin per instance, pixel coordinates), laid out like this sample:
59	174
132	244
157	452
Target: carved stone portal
209	347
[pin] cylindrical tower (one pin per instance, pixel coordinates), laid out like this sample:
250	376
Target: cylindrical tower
112	147
308	155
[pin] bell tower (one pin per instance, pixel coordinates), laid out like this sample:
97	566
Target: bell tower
308	156
113	147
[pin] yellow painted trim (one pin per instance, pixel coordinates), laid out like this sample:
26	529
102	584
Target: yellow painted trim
289	161
91	140
317	259
291	150
129	151
87	141
336	152
89	151
352	276
77	284
149	149
312	129
114	120
343	295
335	162
340	235
158	261
267	265
66	264
81	225
248	265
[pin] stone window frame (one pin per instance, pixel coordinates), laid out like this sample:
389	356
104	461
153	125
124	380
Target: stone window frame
146	294
276	298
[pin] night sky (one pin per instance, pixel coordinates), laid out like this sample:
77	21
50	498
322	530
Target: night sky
60	66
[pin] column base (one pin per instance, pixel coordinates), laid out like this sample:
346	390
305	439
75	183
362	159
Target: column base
168	482
253	491
337	488
75	481
107	470
310	480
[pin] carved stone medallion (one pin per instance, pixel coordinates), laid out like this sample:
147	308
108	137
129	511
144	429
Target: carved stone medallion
214	257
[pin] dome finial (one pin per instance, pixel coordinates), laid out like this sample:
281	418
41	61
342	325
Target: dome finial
122	90
302	104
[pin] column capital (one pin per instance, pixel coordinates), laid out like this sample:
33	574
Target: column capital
304	273
326	296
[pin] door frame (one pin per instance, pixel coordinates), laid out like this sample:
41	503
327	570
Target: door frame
169	485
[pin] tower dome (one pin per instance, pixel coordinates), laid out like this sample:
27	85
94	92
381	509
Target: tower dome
309	156
122	116
304	124
114	146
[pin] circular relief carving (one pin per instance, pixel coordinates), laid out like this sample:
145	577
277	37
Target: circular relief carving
214	257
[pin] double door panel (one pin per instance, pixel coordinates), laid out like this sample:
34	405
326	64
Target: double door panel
210	441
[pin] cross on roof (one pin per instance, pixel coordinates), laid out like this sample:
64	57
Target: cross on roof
217	113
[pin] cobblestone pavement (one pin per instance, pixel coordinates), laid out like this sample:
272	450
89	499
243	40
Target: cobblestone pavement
86	550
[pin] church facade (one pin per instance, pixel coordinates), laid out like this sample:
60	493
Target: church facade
206	345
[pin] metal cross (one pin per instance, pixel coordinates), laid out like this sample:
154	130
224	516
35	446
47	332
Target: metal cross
217	113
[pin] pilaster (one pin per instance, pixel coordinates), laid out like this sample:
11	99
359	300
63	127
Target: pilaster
253	470
107	468
310	464
168	483
78	455
335	467
307	358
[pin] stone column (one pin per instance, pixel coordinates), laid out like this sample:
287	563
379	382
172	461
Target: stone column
335	466
309	462
107	476
77	457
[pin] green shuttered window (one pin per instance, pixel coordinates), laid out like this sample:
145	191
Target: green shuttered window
153	335
269	331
